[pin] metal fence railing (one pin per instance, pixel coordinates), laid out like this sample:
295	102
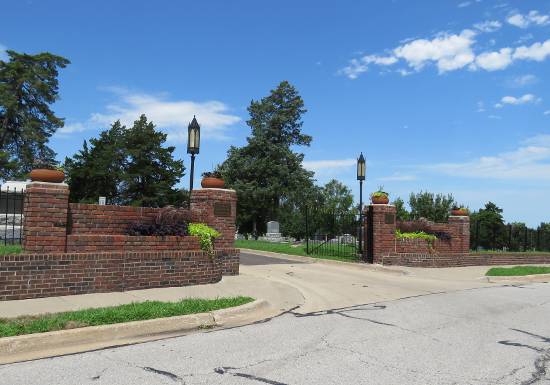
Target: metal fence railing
11	215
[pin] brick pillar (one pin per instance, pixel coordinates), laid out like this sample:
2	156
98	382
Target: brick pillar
461	239
45	217
380	232
218	209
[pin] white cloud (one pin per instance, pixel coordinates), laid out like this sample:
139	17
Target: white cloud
530	161
523	80
170	116
537	51
531	18
448	52
547	112
488	26
464	4
358	66
492	61
512	100
329	164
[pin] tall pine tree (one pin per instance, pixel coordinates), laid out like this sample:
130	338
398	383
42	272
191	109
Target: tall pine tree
28	86
266	172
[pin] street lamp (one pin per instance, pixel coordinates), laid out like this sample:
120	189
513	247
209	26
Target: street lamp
361	169
193	144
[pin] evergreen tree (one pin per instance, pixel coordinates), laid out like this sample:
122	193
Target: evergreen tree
97	169
127	166
150	172
401	212
28	86
266	172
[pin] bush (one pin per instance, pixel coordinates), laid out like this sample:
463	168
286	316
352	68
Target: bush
155	229
206	236
422	227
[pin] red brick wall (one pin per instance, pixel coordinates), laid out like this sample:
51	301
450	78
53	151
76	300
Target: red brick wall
108	242
96	219
203	203
44	275
45	217
434	260
382	246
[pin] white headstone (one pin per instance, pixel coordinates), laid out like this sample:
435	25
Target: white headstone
102	201
272	227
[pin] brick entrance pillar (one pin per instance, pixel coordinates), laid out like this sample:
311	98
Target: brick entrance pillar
461	234
45	217
380	232
216	208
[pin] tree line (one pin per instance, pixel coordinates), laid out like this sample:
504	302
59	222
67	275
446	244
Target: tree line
134	166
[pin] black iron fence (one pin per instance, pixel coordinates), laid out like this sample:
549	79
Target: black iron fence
11	215
510	237
332	234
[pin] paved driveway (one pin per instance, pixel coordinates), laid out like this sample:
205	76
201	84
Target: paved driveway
446	333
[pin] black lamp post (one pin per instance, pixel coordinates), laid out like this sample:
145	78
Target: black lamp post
193	144
361	169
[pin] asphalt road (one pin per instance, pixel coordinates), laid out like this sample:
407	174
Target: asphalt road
494	335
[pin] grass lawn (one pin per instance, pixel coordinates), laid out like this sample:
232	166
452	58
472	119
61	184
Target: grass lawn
287	248
517	270
9	249
115	314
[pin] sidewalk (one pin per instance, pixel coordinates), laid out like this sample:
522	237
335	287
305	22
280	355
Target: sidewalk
280	297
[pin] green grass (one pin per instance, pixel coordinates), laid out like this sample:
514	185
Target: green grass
10	249
517	270
287	248
115	314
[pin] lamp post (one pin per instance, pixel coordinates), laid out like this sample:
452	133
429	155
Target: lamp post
361	169
193	144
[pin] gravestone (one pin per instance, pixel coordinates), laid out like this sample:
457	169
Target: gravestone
273	234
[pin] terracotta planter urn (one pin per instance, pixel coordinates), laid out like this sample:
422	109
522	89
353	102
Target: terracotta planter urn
459	212
210	182
380	200
47	175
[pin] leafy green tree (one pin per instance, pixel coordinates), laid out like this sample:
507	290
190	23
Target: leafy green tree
127	166
28	86
435	208
266	172
401	212
337	197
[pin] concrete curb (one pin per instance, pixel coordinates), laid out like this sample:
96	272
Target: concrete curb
519	278
302	258
50	344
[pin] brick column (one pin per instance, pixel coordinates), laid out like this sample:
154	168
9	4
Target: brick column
380	232
45	217
461	240
218	209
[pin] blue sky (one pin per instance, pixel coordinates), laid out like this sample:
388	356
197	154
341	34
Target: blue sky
445	96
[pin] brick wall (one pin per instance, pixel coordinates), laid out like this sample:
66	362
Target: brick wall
43	275
108	242
218	209
382	246
461	260
45	217
96	219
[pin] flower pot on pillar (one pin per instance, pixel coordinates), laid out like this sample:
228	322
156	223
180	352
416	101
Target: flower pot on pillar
47	175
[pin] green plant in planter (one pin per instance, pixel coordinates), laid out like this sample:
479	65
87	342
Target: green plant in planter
212	174
206	236
460	208
429	238
380	193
